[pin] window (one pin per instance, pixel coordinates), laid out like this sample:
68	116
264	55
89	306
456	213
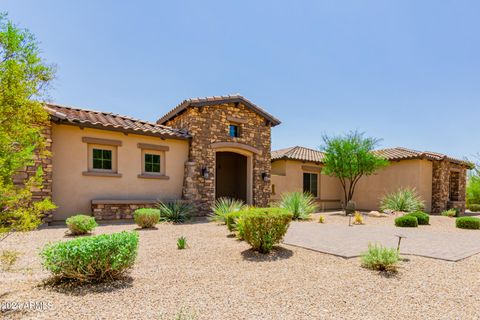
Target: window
102	159
152	163
234	131
310	183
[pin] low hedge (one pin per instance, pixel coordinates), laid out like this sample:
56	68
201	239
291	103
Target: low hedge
263	227
81	224
91	259
146	217
474	207
422	217
467	223
231	220
408	221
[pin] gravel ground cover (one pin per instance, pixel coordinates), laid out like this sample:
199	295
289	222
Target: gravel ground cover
218	277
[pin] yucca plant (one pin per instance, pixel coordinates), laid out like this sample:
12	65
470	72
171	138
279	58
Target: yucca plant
404	199
175	211
181	243
299	204
224	206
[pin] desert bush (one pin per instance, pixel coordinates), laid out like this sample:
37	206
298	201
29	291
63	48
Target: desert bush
231	220
404	199
474	207
380	258
81	224
8	258
321	219
91	259
406	221
350	207
181	243
422	217
299	204
224	206
473	188
264	227
467	223
146	217
175	211
449	213
357	218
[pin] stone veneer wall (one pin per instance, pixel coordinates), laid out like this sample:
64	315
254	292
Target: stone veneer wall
441	186
210	124
45	162
119	209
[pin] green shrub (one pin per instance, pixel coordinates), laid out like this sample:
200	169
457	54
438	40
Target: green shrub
474	207
181	243
175	211
224	206
8	258
467	223
422	217
91	259
406	221
146	217
81	224
380	258
404	199
299	204
449	213
263	227
350	207
473	189
231	220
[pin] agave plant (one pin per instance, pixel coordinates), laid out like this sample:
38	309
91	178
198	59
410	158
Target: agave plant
404	199
224	206
300	204
175	211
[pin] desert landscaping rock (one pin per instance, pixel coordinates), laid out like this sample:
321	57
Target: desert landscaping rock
219	277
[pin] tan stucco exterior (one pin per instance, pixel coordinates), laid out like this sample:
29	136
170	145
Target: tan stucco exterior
406	173
73	190
287	176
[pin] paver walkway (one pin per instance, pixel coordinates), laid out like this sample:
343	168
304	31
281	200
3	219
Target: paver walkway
349	242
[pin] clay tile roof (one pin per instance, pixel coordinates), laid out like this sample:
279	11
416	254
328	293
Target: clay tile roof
110	121
298	153
216	100
391	154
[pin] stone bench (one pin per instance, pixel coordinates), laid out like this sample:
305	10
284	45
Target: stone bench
106	209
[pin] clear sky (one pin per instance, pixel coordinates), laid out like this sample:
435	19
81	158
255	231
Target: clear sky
407	71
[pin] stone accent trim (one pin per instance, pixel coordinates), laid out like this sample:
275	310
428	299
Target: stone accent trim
153	147
441	186
118	209
106	142
236	145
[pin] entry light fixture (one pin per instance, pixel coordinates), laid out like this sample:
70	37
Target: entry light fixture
265	176
205	172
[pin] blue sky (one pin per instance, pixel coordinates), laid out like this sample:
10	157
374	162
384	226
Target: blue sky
405	71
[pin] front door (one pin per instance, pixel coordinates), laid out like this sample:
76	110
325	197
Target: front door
231	176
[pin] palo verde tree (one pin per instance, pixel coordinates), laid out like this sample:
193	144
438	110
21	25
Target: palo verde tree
349	158
24	78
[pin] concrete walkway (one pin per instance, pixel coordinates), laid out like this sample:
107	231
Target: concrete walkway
349	242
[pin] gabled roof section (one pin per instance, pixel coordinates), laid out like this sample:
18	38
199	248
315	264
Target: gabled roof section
110	121
391	154
298	153
217	100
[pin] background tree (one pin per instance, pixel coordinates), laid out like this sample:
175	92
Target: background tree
24	78
473	183
350	157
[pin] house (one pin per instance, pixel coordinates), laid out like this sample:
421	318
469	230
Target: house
203	149
438	179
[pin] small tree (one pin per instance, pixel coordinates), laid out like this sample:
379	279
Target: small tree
349	158
23	80
473	184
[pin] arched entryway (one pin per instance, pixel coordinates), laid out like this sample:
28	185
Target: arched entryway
231	176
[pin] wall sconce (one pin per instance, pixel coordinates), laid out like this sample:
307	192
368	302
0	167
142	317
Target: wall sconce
205	172
265	176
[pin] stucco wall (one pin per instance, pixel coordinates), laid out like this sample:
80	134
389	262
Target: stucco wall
287	176
72	192
407	173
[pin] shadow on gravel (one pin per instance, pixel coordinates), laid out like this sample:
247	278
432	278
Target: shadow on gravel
278	253
82	289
